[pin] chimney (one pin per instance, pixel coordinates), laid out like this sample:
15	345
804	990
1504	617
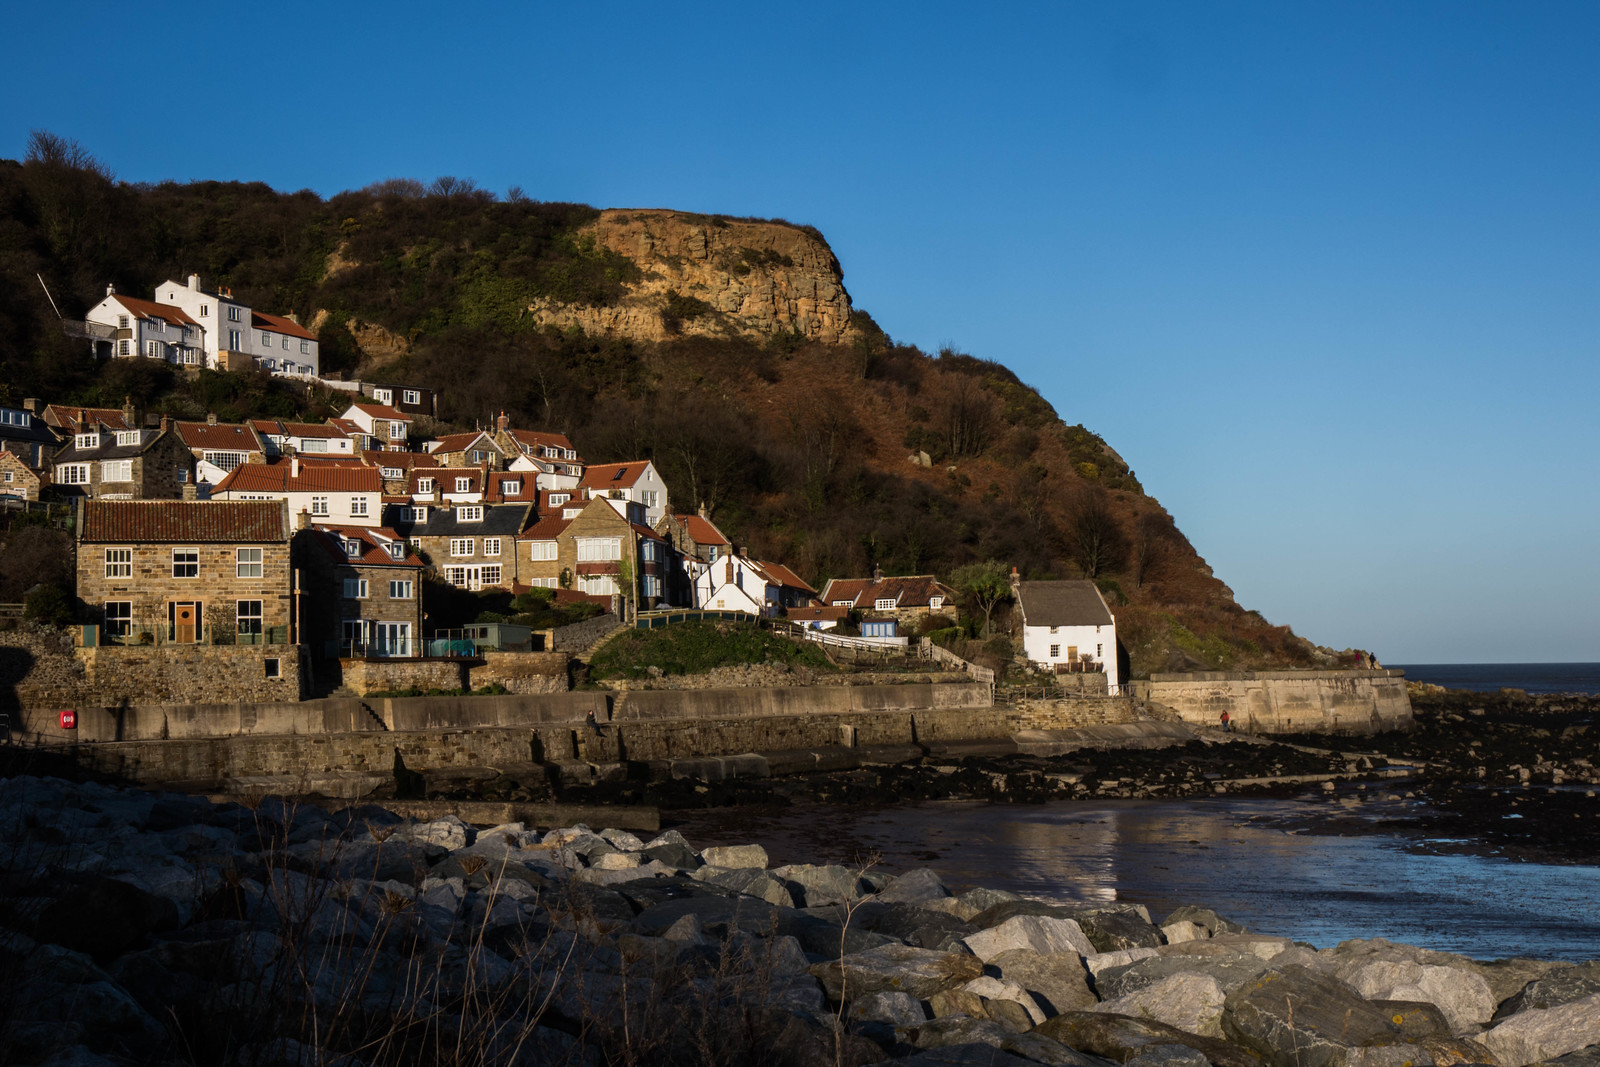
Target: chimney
191	491
294	466
877	573
111	290
194	281
302	521
127	410
293	317
32	405
211	418
1016	580
501	422
166	423
705	512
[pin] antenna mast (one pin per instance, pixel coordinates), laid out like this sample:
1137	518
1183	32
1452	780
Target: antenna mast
47	295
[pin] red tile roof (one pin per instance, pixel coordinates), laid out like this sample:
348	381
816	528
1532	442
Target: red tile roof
702	531
382	411
540	439
314	477
846	589
613	475
346	427
460	442
818	613
221	437
523	480
149	309
374	457
785	577
67	415
546	529
278	324
908	591
185	521
444	478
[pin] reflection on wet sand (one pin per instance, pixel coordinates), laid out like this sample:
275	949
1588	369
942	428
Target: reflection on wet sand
1225	854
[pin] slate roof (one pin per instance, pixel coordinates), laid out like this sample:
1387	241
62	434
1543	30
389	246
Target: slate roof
499	520
184	521
1070	603
107	449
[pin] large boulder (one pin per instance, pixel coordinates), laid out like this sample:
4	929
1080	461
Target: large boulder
737	856
1110	931
1119	1038
1383	970
1294	1016
1036	933
1228	971
895	968
103	917
998	989
995	1042
1553	989
1056	980
1536	1034
915	925
1214	923
814	887
914	887
1190	1002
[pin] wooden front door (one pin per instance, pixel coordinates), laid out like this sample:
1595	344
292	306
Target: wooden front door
185	623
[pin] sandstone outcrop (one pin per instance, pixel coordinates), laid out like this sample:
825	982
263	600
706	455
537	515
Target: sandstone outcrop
730	277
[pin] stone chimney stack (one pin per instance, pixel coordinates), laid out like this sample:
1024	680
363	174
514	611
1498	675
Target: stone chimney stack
194	281
1016	580
705	512
293	317
32	405
191	491
877	573
127	411
211	418
302	521
501	422
166	423
294	466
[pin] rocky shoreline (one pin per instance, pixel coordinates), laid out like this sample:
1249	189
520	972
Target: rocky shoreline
139	927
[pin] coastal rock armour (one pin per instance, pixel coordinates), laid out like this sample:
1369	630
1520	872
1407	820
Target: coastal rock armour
145	921
752	279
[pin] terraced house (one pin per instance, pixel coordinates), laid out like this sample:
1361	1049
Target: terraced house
343	495
364	592
472	546
105	464
185	572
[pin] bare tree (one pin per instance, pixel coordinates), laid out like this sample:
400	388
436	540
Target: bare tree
1154	536
1095	539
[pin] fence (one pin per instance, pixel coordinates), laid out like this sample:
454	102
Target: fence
654	620
160	631
928	650
10	611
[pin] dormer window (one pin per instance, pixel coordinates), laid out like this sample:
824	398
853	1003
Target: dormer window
557	499
464	485
883	604
511	488
424	485
127	437
571	513
354	549
397	549
935	603
87	440
470	513
390	472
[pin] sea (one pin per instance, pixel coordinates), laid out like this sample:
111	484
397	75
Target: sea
1492	677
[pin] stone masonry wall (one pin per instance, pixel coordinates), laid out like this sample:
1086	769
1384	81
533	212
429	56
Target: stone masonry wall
365	676
1276	702
1070	712
190	674
523	672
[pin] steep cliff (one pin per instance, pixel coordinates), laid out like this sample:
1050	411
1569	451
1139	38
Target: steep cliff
712	276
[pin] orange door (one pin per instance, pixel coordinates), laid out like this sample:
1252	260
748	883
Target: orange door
184	618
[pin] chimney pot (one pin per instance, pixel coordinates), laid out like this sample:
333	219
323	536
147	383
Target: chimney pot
111	290
166	423
502	422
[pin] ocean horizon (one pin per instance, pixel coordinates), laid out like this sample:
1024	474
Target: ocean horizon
1492	677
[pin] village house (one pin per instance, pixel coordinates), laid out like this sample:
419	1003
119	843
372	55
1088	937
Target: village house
219	447
133	327
1067	627
471	546
539	562
363	592
186	572
907	598
232	336
634	489
131	464
550	455
69	419
17	481
303	438
407	399
695	537
327	492
475	449
28	437
379	423
598	552
396	469
736	583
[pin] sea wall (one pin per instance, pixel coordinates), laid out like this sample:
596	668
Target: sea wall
1281	702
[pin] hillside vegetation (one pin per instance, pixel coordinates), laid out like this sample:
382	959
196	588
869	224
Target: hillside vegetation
799	449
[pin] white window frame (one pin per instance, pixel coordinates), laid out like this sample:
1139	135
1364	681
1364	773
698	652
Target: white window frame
542	551
511	488
883	604
397	431
190	558
233	314
491	546
248	563
461	547
464	484
557	499
599	549
86	440
355	589
116	470
119	563
319	505
424	485
358	506
469	513
411	396
935	603
400	589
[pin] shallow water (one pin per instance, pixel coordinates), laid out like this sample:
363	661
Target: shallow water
1229	854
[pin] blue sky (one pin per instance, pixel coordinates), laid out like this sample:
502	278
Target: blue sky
1324	273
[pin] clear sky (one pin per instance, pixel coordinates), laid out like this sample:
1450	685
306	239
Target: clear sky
1324	273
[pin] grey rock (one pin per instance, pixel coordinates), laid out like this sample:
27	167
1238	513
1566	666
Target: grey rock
449	832
601	876
983	898
1009	1014
103	917
914	887
914	924
668	837
1507	978
1229	972
750	881
807	1041
959	1030
673	854
686	930
1110	931
1536	1034
623	840
1190	1002
1101	962
820	886
1204	917
897	1010
1181	931
1296	1017
1461	994
973	1055
735	856
1553	989
1056	981
1119	1038
1169	1056
993	989
1036	933
895	968
725	911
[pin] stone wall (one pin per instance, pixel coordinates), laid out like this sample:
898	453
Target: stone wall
523	672
365	676
1071	712
580	635
40	723
1277	702
35	663
786	701
184	674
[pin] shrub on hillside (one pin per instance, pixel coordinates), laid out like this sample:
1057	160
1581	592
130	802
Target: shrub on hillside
696	647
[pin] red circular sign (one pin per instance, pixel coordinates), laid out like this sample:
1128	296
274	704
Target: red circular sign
69	720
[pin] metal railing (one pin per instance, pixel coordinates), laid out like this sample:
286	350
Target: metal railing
156	632
654	620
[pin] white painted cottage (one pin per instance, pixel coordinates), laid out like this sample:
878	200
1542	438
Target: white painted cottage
1066	626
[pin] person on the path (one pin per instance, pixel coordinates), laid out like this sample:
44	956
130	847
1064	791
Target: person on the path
594	724
1226	723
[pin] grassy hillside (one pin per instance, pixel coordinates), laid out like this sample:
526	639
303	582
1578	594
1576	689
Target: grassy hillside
799	449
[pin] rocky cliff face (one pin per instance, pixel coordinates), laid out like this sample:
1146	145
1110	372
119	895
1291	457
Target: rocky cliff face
714	276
